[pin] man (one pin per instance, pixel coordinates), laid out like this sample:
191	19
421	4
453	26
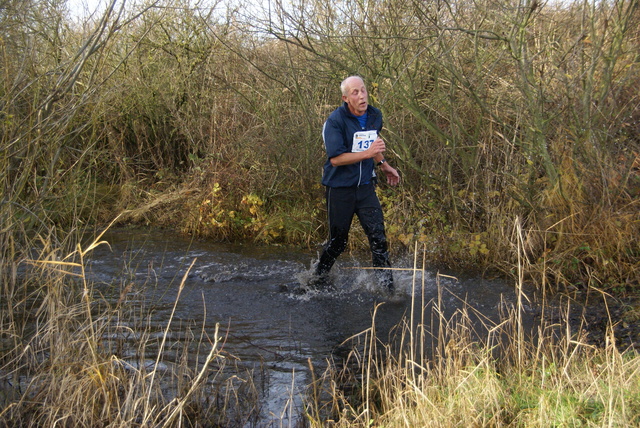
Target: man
354	148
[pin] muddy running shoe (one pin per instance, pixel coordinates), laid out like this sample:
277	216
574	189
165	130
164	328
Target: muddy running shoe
388	290
388	287
294	288
320	283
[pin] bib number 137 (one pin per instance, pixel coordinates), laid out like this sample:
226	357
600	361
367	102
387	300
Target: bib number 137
362	140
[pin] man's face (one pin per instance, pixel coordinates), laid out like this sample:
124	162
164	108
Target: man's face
356	98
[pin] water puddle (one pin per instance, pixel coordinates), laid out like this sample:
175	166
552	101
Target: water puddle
267	330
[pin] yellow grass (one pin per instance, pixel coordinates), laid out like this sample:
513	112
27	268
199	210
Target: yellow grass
504	379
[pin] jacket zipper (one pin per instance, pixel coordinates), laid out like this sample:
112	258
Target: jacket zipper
363	128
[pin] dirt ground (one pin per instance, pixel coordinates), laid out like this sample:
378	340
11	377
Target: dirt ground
593	314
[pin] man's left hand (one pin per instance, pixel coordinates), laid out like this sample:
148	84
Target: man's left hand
393	178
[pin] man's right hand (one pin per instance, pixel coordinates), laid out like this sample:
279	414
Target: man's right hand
348	158
376	147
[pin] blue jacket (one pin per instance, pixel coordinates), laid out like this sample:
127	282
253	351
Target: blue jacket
338	135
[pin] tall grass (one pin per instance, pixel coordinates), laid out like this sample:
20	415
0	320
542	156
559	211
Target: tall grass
466	370
73	356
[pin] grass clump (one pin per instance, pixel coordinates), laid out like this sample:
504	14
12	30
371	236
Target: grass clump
587	387
451	371
79	356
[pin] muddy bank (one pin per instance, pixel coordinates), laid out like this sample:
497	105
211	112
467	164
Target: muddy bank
592	314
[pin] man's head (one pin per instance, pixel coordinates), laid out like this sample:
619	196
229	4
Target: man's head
354	93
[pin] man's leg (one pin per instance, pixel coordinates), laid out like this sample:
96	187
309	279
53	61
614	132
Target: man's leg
340	209
371	218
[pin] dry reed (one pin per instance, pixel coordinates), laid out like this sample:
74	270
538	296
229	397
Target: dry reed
445	372
84	359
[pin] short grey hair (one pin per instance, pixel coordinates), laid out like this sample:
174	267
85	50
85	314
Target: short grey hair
343	86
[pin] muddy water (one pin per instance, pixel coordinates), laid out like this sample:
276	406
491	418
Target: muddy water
269	331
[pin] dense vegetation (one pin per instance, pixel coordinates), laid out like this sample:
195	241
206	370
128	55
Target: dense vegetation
207	117
515	125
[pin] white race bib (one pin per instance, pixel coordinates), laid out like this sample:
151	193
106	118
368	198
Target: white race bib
362	140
